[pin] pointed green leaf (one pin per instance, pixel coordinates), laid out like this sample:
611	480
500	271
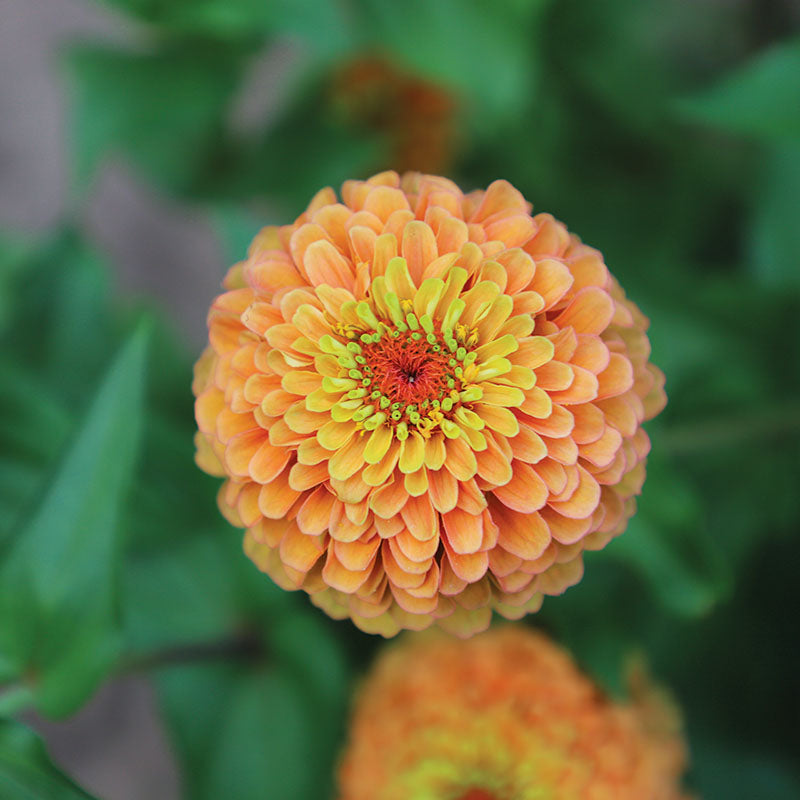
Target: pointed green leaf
58	576
761	98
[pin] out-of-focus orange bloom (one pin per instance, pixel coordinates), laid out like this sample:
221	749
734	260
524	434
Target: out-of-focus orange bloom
503	716
417	117
426	404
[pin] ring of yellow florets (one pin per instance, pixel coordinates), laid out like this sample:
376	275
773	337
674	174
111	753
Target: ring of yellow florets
406	372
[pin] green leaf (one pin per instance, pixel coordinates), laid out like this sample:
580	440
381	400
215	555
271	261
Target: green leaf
164	110
759	99
272	725
26	772
774	235
58	576
324	23
668	542
486	57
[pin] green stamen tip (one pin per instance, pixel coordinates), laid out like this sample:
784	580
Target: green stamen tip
431	339
353	347
376	395
366	338
459	373
461	353
447	405
396	416
355	374
427	323
412	321
366	382
416	336
401	431
384	402
361	360
451	384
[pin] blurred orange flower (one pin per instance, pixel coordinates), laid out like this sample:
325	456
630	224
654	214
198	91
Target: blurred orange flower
504	716
417	117
426	404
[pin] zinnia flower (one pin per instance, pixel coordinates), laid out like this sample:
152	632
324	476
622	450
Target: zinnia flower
503	716
426	404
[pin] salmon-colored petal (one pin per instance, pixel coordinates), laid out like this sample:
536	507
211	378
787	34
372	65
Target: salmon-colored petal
314	515
443	490
276	498
418	248
420	518
523	535
464	531
526	492
268	462
300	551
583	501
336	575
589	311
325	264
388	500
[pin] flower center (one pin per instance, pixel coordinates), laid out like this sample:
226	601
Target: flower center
410	371
404	371
477	794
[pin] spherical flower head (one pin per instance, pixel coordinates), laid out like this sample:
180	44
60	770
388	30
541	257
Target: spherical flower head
426	404
503	716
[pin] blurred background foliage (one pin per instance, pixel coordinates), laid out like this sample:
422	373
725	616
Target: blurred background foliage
666	133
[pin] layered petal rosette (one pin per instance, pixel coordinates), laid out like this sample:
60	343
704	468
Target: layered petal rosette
504	716
426	404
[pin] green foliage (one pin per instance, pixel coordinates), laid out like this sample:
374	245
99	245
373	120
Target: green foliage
57	583
161	108
666	133
26	772
758	99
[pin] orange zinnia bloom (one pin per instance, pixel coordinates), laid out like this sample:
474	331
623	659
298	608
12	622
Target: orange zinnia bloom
504	716
426	404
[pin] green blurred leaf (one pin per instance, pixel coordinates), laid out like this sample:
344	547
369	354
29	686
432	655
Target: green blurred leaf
268	727
323	23
488	58
164	109
774	236
58	575
26	772
760	99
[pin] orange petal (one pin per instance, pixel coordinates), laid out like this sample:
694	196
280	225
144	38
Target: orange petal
443	490
584	499
420	517
525	492
471	567
523	535
493	466
616	378
418	247
337	576
276	498
460	460
589	311
268	462
300	551
325	264
358	555
464	531
314	515
388	500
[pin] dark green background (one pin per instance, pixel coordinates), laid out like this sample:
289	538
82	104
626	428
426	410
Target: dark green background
665	133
